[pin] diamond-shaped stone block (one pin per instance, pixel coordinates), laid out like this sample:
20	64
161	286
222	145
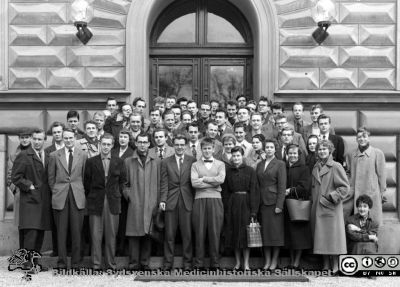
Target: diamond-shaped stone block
27	35
299	57
65	78
37	13
286	6
366	57
119	6
64	35
37	56
296	19
377	79
297	36
27	78
105	78
108	19
342	35
339	79
378	35
295	79
96	56
367	13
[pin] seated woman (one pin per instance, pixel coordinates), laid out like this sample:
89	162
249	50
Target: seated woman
361	230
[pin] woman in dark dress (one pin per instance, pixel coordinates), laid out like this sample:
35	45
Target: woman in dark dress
311	158
240	183
297	234
270	194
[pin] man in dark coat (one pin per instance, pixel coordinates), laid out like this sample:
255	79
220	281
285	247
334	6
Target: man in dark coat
324	124
104	180
176	199
29	175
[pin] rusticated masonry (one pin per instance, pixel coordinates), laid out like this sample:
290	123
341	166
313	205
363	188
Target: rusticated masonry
45	54
360	52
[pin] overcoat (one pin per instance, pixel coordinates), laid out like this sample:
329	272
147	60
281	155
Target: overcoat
142	193
329	187
35	208
367	176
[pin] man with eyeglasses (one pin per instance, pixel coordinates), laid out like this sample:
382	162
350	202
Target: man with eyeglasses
287	135
141	191
176	199
263	107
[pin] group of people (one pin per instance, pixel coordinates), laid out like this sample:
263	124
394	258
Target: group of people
209	172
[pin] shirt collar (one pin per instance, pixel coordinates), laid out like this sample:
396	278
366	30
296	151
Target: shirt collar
103	157
179	157
67	149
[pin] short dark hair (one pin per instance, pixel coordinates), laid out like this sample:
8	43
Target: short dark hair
238	125
206	103
244	108
207	141
69	130
323	117
215	101
271	141
72	114
89	122
160	130
168	112
107	136
364	198
194	124
159	100
363	130
277	106
191	101
125	132
292	145
111	99
182	99
137	99
39	131
232	103
171	97
176	106
56	124
222	111
144	135
237	149
280	116
265	99
317	106
186	112
180	136
211	122
241	96
154	109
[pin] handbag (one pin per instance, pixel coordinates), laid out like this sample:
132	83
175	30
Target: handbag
299	210
254	234
156	231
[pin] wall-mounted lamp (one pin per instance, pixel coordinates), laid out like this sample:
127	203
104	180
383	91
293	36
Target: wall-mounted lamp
323	13
81	14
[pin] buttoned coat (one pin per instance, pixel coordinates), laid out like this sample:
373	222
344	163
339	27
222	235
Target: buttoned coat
271	183
329	186
176	182
142	192
60	180
35	210
367	176
97	186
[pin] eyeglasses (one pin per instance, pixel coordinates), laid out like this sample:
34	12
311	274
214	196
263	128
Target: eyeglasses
142	143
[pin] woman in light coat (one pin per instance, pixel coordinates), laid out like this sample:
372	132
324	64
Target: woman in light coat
328	188
367	174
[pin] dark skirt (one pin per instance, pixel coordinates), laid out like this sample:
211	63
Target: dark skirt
297	234
237	219
272	226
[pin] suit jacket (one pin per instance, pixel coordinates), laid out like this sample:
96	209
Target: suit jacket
34	209
175	182
338	153
189	150
61	181
97	186
168	151
48	150
128	153
271	183
306	131
267	131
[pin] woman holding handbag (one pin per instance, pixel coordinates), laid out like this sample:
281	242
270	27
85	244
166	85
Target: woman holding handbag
239	188
329	186
270	194
297	233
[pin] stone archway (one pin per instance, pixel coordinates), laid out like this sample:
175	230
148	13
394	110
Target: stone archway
262	18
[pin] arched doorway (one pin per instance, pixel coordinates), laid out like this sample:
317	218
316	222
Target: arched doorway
201	49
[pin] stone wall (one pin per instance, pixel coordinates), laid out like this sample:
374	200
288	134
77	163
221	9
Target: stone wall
360	52
44	52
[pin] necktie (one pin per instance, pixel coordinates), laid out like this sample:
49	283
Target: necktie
180	163
194	153
220	131
160	152
70	159
324	137
208	160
